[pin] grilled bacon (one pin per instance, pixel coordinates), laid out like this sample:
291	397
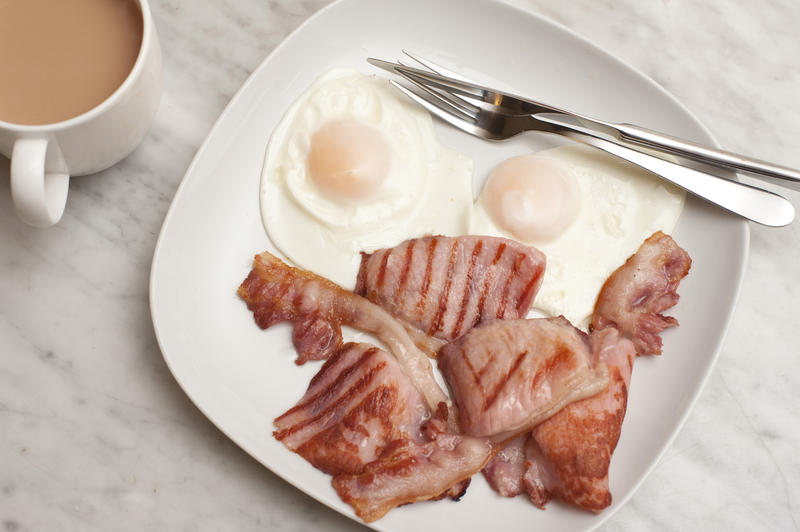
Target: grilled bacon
317	308
363	421
509	375
568	456
359	402
380	423
572	450
444	286
637	292
411	472
506	469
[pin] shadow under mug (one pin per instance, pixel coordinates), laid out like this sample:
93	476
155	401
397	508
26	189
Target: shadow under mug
43	157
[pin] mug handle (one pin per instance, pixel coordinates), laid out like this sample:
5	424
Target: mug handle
39	195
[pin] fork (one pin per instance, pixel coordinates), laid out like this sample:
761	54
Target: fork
513	116
450	83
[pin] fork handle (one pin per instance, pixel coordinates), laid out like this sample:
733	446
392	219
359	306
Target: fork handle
751	202
707	155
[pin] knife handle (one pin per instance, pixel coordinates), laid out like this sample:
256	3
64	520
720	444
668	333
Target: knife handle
790	178
753	203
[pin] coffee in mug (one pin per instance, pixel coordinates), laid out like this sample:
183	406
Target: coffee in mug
58	58
79	85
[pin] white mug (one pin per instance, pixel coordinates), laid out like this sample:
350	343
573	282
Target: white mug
43	157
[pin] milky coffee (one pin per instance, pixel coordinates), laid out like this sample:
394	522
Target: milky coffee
61	58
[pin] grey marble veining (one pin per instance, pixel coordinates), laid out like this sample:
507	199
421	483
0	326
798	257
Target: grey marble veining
96	435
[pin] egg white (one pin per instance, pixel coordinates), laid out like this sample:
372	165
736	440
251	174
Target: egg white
428	189
621	205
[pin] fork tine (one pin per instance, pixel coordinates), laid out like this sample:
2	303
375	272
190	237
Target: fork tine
453	85
460	105
437	69
434	106
484	97
453	98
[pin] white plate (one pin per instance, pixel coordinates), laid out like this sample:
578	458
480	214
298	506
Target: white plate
242	377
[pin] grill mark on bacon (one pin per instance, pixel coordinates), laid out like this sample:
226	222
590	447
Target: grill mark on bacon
332	361
451	264
528	288
401	285
483	369
337	383
501	249
382	270
444	286
501	309
507	344
561	355
344	458
285	287
489	401
506	288
426	282
476	251
476	376
488	282
354	390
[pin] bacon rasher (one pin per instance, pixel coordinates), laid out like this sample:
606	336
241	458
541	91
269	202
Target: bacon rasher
317	308
410	456
444	286
509	375
633	298
411	472
506	376
359	402
363	421
568	456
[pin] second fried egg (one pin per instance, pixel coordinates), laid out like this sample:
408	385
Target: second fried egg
586	210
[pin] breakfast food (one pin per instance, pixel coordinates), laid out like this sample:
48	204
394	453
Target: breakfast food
317	308
568	456
532	198
634	296
354	166
585	210
509	375
356	187
445	286
359	402
411	472
557	395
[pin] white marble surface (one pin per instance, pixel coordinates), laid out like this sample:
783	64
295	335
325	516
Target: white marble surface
96	435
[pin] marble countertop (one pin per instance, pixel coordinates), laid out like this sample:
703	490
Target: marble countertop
96	435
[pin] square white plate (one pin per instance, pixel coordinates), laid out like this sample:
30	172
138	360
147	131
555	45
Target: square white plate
242	377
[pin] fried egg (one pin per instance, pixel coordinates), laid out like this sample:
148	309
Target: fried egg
586	210
355	166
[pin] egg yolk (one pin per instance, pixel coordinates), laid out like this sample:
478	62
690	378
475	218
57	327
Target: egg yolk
531	198
348	160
